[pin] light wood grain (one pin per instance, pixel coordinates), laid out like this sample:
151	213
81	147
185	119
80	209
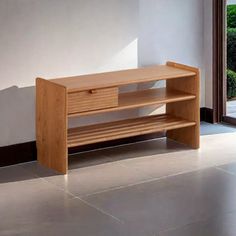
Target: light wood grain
59	99
143	98
189	110
92	100
124	77
51	125
124	128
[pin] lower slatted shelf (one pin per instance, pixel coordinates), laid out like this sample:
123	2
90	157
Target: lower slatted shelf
124	128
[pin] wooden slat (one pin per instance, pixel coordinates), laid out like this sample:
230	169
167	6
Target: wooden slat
51	125
143	98
125	128
124	77
106	127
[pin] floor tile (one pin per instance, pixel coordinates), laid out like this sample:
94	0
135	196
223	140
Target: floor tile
230	168
219	226
159	166
38	170
217	187
15	173
76	161
35	207
171	202
156	187
144	149
89	180
85	159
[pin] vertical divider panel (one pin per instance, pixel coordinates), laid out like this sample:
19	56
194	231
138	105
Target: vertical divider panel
51	125
189	110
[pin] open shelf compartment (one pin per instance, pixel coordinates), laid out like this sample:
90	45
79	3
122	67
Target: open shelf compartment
143	98
124	128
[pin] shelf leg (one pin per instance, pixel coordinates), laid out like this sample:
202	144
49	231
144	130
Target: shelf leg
51	125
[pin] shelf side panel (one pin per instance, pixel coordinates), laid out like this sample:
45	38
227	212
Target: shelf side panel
189	110
51	125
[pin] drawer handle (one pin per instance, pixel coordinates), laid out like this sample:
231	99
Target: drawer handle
92	91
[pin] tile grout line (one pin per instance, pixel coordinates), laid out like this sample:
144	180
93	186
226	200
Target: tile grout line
182	226
85	202
192	222
99	209
136	170
80	197
225	171
153	179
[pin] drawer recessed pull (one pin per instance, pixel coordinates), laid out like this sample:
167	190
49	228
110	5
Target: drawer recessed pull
92	91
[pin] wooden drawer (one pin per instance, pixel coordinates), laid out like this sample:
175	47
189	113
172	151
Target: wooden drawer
93	99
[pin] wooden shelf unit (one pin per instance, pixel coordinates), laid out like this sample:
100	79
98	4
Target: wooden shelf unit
59	99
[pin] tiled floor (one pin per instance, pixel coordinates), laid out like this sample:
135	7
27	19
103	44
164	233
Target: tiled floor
158	187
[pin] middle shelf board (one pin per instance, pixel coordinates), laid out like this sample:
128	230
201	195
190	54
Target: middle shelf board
143	98
124	128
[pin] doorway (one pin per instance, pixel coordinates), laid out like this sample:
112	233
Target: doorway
224	61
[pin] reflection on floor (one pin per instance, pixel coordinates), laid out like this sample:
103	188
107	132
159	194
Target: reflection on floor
157	187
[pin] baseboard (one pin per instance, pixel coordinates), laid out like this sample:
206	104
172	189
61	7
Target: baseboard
26	152
206	114
18	153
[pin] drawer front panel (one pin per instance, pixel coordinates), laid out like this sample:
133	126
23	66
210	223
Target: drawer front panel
94	99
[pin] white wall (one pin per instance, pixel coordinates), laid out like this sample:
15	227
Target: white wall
38	37
172	30
51	38
54	38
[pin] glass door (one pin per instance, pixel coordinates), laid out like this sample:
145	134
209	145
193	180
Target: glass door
231	59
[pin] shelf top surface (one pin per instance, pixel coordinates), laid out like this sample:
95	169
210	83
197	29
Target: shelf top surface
123	77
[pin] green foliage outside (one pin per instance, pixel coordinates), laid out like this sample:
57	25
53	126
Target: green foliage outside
231	51
231	83
231	16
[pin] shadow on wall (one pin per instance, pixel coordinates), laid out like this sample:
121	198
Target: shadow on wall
17	105
59	38
17	119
